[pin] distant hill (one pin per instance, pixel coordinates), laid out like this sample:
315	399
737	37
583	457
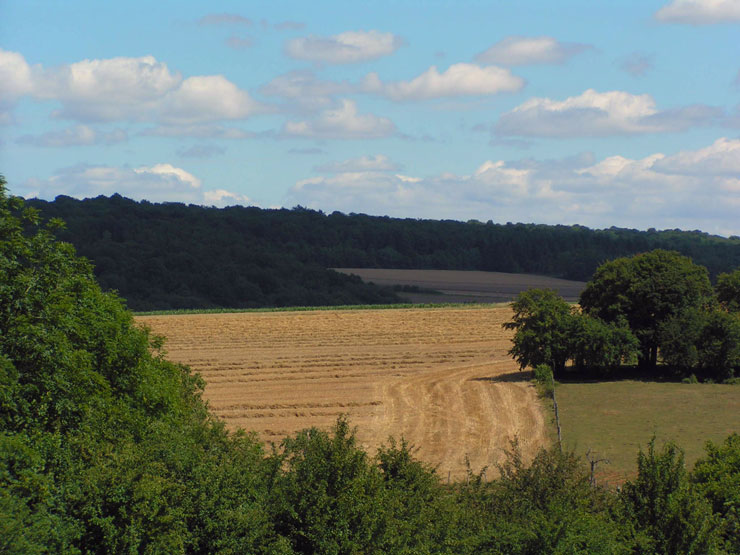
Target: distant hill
173	255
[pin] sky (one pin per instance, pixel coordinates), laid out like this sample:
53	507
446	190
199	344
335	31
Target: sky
597	113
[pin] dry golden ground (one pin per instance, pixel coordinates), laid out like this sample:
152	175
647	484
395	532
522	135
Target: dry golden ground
440	378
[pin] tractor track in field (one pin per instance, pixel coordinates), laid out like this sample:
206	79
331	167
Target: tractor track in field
439	378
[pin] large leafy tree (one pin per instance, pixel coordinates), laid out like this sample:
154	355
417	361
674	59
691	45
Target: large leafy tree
550	331
646	291
544	324
728	290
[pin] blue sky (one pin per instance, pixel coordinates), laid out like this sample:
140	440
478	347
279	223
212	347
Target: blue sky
597	113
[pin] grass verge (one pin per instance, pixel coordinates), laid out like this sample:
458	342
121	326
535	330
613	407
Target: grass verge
616	419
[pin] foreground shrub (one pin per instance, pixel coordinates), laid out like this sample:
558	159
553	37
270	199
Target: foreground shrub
667	514
717	477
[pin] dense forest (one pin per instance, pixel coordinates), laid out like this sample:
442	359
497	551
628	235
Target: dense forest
106	447
171	255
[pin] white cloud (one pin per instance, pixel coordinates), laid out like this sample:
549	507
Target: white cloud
170	171
15	76
378	162
158	183
127	89
342	123
690	190
700	12
344	48
721	158
79	135
207	98
304	92
108	90
16	80
458	80
222	197
594	114
517	51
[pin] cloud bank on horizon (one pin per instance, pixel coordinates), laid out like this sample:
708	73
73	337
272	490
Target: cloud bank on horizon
463	114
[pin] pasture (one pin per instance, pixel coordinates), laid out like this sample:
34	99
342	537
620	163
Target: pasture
438	377
616	419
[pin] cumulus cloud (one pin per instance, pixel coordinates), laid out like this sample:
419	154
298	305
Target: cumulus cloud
79	135
458	80
378	162
343	122
518	51
15	76
224	19
594	114
222	197
127	89
303	91
721	158
207	98
700	12
345	48
689	190
107	90
636	64
158	183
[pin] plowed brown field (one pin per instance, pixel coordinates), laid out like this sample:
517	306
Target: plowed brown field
440	378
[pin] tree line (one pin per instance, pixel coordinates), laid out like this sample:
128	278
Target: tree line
171	255
635	312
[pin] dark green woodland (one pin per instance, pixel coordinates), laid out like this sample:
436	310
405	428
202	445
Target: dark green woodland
162	256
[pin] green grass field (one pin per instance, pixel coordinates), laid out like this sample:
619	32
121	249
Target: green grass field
616	419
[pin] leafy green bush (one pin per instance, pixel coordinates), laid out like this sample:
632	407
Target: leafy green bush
717	477
665	511
544	380
105	445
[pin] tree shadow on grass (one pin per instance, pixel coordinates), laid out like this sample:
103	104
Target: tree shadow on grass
619	374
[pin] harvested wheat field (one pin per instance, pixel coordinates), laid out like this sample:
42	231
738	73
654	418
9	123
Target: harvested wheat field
440	378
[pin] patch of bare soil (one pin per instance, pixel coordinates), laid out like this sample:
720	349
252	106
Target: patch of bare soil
466	286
